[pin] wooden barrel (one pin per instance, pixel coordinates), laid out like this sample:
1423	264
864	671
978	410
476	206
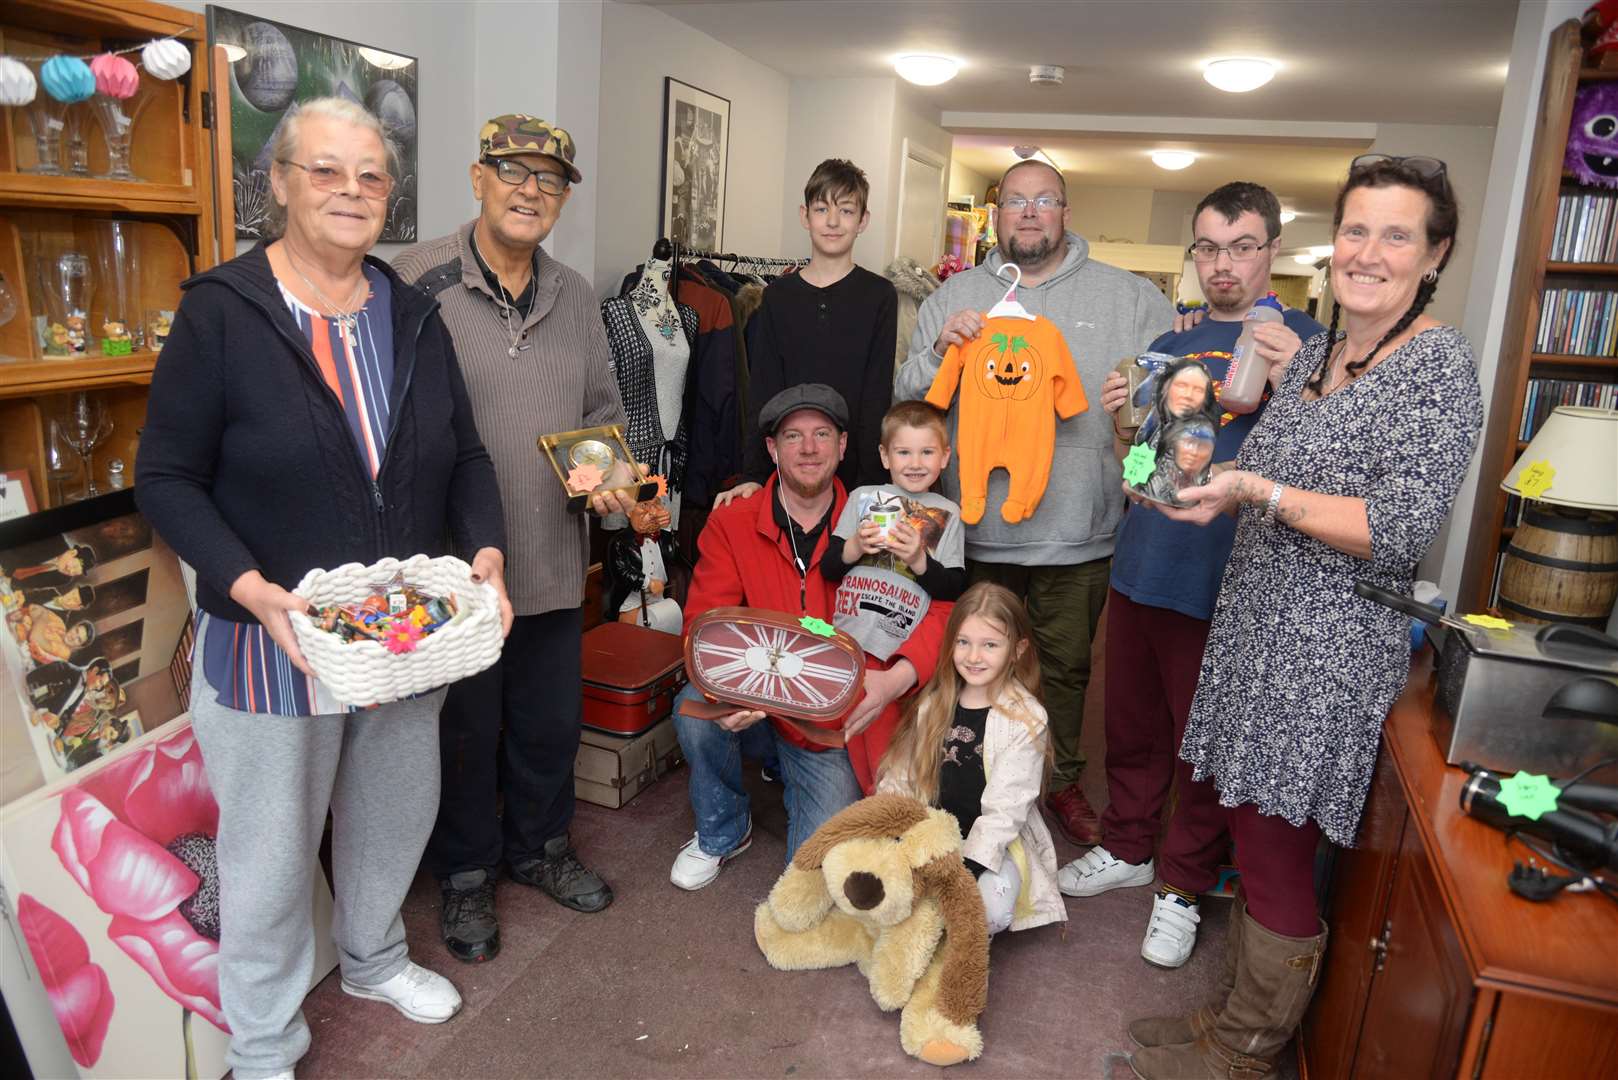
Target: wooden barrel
1561	568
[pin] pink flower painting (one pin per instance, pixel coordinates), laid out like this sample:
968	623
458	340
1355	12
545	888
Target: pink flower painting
77	988
138	837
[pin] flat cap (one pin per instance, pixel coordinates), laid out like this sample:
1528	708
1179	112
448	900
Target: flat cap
816	396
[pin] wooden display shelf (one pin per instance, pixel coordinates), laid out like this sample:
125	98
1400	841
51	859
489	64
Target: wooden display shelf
1573	360
1581	268
32	190
24	376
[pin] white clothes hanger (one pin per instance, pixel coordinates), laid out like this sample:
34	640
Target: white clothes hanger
1009	306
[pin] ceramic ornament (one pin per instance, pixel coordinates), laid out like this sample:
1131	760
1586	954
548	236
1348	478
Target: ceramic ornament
67	79
115	76
17	85
166	59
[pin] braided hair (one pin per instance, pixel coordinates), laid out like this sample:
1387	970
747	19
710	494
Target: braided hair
1443	218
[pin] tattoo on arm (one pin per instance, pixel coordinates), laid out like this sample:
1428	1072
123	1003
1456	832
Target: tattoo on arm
1289	515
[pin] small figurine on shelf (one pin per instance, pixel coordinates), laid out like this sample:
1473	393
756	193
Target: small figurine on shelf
158	325
116	339
77	339
56	340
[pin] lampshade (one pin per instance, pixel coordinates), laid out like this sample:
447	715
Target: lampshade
1581	446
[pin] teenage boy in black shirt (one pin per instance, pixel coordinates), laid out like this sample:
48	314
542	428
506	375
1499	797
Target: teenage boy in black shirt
832	322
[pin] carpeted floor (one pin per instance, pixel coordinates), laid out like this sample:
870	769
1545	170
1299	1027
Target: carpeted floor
669	983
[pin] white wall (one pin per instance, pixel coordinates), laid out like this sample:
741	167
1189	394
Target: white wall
1499	216
846	118
639	46
965	181
1118	213
442	38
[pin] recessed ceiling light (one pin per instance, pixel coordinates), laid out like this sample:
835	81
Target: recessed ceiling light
1173	160
1288	217
924	70
1307	260
1320	251
1238	75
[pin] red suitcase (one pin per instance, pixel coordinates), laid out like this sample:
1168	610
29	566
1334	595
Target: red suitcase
631	675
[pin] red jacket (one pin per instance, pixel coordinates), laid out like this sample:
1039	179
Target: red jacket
744	559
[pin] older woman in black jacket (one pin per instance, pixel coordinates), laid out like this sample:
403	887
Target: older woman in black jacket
308	411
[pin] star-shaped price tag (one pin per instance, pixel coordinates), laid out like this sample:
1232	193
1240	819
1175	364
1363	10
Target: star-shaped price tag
584	477
817	626
1139	463
1535	479
662	483
1528	795
1488	622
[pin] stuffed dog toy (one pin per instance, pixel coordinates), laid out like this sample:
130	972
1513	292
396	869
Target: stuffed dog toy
881	885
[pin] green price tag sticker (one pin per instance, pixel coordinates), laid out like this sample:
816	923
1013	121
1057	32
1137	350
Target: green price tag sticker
1139	463
817	626
1528	795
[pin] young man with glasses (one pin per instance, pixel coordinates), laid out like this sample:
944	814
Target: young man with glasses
1057	560
1165	577
530	342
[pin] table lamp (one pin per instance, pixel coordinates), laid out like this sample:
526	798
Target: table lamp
1562	562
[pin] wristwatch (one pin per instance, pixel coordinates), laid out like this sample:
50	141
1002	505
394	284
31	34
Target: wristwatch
1274	504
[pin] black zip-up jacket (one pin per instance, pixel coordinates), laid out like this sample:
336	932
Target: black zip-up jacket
247	461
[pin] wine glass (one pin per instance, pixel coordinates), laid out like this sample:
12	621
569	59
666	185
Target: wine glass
45	119
117	117
59	463
88	426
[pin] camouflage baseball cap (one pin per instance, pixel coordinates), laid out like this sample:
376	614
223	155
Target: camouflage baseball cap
516	133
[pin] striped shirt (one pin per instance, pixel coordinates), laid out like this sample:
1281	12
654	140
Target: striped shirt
244	665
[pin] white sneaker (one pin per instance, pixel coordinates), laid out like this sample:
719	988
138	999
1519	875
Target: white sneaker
694	868
424	996
1172	932
1098	870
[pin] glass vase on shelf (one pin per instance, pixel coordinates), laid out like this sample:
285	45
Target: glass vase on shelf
45	121
67	305
60	464
76	127
88	426
121	314
118	117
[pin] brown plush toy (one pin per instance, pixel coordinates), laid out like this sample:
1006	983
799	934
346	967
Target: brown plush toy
881	885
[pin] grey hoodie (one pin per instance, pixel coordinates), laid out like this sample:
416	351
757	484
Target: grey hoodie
1105	314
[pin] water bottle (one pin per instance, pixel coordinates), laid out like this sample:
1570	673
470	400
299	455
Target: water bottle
1245	378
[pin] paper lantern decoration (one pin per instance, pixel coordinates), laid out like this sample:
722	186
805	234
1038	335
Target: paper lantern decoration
166	59
17	85
115	76
67	79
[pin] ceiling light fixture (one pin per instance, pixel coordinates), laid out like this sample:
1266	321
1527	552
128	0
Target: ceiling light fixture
1173	160
385	60
1320	251
1288	217
925	70
233	53
1307	260
1238	75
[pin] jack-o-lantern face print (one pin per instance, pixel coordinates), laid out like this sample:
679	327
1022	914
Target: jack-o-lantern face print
1011	368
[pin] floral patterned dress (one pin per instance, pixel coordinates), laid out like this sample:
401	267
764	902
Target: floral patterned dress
1299	672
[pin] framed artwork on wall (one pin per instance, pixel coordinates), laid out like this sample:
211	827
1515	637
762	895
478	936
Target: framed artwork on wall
283	65
696	152
16	495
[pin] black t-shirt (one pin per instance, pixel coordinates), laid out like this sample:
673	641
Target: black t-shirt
961	778
519	304
802	541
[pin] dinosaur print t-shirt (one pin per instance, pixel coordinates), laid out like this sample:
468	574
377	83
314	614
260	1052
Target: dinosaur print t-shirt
879	601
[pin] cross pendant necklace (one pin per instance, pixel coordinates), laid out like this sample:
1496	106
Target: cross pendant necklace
346	318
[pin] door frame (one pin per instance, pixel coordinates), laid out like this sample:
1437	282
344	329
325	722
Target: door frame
928	156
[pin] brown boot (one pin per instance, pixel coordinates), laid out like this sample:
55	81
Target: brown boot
1075	816
1275	978
1169	1030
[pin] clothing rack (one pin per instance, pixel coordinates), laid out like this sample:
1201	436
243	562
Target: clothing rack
676	253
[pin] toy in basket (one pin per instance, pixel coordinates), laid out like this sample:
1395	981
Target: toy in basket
359	669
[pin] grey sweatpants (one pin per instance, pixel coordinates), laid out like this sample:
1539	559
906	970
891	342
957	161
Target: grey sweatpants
274	777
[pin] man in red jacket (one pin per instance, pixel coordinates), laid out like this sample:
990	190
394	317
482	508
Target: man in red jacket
762	552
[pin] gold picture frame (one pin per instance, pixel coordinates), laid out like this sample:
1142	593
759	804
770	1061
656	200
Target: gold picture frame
595	448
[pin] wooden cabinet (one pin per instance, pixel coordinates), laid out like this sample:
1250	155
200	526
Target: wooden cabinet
1434	968
169	217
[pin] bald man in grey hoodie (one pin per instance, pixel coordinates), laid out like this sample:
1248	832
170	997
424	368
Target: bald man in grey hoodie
1058	561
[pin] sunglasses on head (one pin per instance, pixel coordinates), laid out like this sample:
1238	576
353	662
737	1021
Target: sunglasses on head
1428	168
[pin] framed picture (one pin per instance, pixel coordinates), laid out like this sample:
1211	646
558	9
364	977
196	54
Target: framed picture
16	495
95	614
283	66
696	150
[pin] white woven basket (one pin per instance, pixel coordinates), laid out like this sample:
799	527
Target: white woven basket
365	672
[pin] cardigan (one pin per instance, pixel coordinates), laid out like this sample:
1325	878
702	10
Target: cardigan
247	461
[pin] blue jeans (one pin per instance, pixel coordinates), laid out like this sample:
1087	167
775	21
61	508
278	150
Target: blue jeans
817	783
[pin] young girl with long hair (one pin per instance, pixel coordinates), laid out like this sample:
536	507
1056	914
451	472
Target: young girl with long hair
974	742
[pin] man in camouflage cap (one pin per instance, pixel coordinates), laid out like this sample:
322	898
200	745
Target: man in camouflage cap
533	351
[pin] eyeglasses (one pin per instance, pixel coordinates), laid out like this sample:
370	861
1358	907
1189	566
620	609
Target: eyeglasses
1044	204
329	176
516	174
794	437
1428	168
1241	251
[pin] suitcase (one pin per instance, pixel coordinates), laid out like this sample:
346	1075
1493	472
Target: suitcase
611	770
631	675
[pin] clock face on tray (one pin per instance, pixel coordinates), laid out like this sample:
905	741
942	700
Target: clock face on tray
767	661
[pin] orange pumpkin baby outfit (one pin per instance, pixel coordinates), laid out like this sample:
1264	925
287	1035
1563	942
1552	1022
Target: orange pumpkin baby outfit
1015	378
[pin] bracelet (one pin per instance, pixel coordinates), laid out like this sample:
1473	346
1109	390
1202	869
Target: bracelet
1274	504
